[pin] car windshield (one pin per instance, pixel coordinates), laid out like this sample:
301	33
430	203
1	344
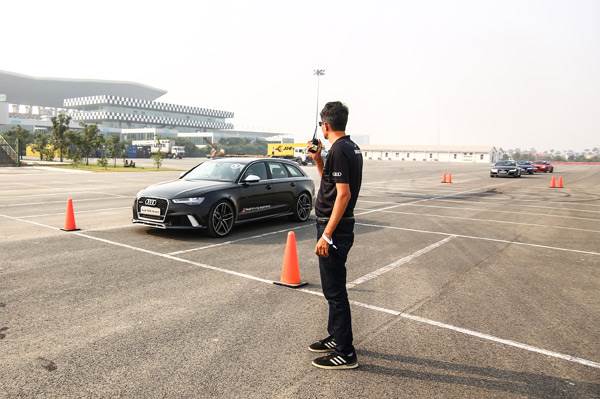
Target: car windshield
216	170
506	163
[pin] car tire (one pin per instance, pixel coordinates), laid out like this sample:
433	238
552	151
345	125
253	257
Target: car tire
221	219
302	208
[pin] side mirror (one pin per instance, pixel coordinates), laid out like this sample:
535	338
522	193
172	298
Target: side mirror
251	179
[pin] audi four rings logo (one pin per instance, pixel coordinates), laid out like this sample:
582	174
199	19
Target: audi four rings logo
150	201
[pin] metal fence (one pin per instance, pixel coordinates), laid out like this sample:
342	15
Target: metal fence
8	156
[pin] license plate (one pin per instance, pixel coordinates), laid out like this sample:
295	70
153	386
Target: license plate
149	210
502	171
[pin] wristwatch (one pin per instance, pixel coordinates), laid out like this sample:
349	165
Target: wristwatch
328	241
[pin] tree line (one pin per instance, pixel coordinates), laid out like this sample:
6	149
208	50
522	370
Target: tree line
77	145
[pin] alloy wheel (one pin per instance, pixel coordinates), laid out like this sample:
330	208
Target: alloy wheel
222	219
303	207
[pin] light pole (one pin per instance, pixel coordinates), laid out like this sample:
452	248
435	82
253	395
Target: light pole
318	73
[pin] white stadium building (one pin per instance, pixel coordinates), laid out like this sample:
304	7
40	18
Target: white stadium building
126	108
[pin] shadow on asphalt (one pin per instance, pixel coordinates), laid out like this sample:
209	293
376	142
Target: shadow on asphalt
522	383
241	231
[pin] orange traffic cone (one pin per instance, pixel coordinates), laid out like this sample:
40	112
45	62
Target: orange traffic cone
445	178
553	182
290	271
70	217
449	178
560	182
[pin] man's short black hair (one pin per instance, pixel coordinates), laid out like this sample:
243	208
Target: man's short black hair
336	114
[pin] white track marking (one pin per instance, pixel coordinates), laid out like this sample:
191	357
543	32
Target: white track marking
123	226
288	229
184	251
520	205
428	199
60	193
546	226
115	196
503	341
487	337
62	170
491	200
569	358
481	238
500	211
397	263
84	211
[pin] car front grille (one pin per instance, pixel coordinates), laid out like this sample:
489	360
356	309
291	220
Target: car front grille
159	203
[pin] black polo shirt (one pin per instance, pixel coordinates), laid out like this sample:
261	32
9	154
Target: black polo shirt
343	165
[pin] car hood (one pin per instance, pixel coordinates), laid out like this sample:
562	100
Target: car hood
182	188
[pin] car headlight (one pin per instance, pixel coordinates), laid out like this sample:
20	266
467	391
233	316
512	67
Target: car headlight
513	170
188	201
494	170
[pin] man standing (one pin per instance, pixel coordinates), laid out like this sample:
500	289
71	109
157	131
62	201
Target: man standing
341	177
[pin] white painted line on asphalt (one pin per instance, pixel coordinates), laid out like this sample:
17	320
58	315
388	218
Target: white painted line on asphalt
488	337
545	201
65	192
481	238
78	212
397	263
30	222
274	232
513	212
123	226
220	244
428	199
520	206
63	170
64	201
546	226
508	342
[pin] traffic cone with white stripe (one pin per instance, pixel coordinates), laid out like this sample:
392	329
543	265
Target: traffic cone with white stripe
290	270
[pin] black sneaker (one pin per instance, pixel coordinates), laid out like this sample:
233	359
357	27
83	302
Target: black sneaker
323	346
336	361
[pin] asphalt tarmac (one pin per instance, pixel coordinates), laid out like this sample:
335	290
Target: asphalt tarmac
484	288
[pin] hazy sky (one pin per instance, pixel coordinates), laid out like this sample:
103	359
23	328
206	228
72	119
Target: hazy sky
508	73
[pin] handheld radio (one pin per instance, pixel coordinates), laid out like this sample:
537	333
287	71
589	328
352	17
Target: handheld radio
315	143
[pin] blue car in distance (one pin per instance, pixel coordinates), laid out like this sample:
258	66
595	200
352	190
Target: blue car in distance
526	167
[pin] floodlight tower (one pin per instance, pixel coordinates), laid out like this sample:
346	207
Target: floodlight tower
318	73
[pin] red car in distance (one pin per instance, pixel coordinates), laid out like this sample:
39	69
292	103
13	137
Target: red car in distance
543	166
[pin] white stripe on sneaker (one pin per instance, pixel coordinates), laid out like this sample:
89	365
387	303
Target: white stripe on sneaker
341	360
334	361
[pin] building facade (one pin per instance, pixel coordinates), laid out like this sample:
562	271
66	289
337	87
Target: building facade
127	113
432	153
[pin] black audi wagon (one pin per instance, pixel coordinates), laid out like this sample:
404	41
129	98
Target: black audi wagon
217	194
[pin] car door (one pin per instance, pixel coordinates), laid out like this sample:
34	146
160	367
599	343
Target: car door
282	186
255	198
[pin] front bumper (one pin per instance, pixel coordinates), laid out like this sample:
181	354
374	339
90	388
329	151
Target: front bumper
174	216
501	172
